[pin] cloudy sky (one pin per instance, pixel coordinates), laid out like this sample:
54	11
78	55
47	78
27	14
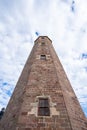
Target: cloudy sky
64	21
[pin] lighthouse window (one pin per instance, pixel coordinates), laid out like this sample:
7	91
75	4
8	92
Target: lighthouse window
43	107
43	57
43	43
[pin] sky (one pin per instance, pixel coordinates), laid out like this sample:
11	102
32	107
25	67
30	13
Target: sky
63	21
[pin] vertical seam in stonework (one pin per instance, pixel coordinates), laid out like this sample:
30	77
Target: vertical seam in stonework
58	81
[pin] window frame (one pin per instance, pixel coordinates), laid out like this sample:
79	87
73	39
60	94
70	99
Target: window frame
43	43
43	57
43	109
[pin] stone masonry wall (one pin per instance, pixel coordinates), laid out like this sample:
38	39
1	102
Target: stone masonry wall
47	79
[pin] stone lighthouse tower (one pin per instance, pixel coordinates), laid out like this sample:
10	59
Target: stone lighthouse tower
43	98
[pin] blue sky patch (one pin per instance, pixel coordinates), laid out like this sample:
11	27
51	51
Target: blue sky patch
9	92
73	6
5	83
84	108
84	55
37	33
85	68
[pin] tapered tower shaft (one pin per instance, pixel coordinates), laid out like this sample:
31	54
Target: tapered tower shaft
43	98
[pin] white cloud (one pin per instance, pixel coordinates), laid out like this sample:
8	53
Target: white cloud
19	20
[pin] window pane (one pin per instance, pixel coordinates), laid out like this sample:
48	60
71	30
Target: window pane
43	102
43	57
44	111
40	111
